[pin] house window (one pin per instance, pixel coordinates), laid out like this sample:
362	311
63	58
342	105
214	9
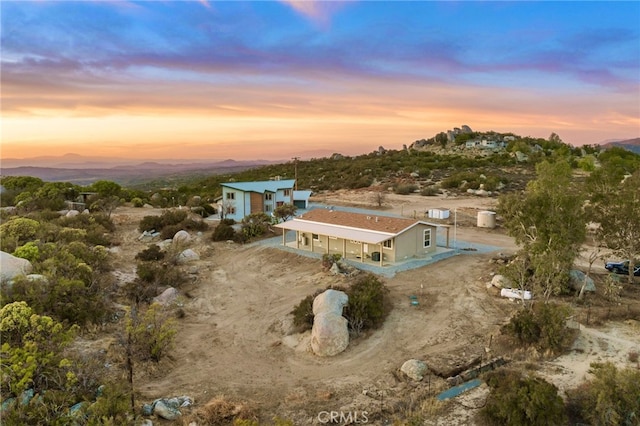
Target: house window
387	244
267	208
427	238
287	192
231	195
231	210
315	237
268	196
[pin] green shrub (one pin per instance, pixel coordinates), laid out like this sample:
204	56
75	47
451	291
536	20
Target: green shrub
543	326
151	333
152	253
137	202
518	400
16	232
329	259
151	276
150	223
405	189
29	251
223	232
169	231
368	305
31	351
611	397
491	183
167	218
66	300
255	225
430	191
303	313
112	406
451	182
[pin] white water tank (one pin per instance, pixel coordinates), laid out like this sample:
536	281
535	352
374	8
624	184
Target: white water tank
486	219
438	213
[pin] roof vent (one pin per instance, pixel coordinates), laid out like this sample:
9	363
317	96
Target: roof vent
376	218
368	217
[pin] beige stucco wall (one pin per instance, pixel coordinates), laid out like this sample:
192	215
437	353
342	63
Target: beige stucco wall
410	243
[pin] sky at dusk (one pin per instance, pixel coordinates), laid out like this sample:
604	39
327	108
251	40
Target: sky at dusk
272	79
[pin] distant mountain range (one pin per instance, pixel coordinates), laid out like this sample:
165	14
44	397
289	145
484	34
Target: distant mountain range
632	145
86	170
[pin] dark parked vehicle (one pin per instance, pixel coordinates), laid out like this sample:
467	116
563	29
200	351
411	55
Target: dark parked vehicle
622	268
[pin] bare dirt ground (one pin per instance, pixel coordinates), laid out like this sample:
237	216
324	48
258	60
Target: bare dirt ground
235	338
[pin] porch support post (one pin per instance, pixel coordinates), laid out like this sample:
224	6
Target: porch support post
447	235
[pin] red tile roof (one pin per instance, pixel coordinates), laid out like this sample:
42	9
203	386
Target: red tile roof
370	222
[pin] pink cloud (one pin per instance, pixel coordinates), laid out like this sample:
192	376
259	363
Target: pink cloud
318	11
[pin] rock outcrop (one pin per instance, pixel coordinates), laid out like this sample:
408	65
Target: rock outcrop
330	332
187	256
414	369
12	266
181	237
330	301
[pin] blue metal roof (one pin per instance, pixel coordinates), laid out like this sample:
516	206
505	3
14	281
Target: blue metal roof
261	186
301	195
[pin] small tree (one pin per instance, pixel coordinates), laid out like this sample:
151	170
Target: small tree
105	205
615	206
378	198
152	335
285	212
549	223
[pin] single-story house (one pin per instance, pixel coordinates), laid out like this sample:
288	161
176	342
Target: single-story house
240	199
361	236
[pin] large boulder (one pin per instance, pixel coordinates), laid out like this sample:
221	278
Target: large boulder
500	281
330	301
166	297
12	266
181	237
414	369
329	335
188	256
577	279
166	411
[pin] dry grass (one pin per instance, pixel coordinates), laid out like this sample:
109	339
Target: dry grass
220	411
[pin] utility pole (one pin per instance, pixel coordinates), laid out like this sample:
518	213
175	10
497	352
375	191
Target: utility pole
295	165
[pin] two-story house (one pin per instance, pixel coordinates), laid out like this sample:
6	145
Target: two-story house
240	199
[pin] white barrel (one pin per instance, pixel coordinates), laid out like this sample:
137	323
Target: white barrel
486	219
